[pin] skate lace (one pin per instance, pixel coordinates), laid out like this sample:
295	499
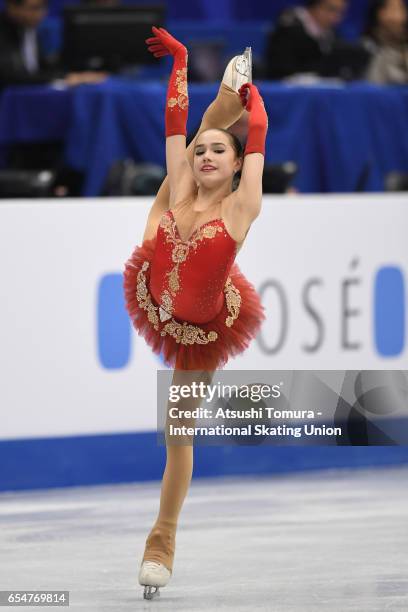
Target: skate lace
152	564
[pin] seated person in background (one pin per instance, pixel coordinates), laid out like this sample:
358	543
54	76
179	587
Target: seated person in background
304	41
21	59
386	36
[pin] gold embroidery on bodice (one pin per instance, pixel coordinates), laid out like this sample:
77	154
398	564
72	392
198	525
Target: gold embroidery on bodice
181	249
184	333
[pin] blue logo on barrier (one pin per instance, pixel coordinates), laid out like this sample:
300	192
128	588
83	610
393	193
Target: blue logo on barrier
389	311
115	333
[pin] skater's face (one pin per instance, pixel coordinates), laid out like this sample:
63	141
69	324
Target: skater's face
215	159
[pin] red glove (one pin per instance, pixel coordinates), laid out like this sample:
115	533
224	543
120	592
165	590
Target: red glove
162	44
258	119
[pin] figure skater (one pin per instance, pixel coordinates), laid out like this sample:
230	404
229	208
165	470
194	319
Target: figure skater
183	291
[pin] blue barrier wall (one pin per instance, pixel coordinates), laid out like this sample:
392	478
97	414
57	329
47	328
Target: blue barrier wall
86	460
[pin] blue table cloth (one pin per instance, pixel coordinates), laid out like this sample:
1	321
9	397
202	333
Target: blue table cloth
336	134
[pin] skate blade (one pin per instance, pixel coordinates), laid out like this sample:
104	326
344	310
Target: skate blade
248	55
149	593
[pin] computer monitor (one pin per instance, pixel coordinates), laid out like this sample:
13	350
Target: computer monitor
108	38
277	178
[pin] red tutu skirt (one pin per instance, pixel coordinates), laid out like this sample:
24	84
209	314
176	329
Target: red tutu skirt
230	341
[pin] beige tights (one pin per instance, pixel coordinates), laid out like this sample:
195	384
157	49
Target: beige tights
161	541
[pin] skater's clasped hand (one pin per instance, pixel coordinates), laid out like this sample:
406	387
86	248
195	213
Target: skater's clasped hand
258	119
164	43
249	93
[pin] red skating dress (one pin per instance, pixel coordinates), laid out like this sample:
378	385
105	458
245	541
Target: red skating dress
188	298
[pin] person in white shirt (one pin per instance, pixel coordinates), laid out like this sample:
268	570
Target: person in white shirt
386	36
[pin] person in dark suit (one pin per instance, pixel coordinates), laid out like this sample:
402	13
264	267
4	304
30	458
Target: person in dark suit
21	58
305	41
22	62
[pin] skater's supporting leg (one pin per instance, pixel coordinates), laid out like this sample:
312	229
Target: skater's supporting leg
160	544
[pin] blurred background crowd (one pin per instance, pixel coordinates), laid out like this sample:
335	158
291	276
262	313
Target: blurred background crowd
63	66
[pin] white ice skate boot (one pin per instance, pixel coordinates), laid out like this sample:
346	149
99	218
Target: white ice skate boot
239	70
153	574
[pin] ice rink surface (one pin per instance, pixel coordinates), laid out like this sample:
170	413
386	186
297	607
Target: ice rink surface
332	541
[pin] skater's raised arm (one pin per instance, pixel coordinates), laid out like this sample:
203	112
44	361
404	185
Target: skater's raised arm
178	170
248	196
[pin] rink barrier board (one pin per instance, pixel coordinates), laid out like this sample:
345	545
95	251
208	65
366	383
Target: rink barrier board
134	457
79	407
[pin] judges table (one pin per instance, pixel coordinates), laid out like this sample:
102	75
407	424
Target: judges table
343	138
